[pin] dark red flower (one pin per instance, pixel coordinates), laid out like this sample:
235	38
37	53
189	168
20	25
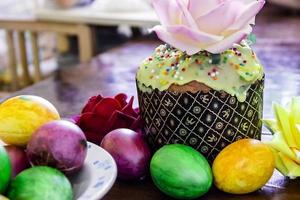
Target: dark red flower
101	115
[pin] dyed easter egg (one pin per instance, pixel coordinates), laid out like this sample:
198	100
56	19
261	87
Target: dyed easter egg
18	159
21	116
243	167
5	169
63	146
181	172
40	183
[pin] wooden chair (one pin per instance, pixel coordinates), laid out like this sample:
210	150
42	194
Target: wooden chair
75	21
33	27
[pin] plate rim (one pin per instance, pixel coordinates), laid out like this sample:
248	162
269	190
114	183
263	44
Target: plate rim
101	193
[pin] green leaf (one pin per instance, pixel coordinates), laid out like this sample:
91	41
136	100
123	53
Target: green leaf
271	125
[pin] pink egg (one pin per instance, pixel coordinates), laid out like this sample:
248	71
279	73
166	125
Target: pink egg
60	144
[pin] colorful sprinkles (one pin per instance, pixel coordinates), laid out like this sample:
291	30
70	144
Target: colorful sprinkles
169	65
214	73
180	62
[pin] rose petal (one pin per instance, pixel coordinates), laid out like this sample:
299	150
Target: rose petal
214	25
167	11
185	39
137	111
229	41
202	7
121	98
220	18
167	37
193	35
91	103
137	124
74	118
94	137
120	120
90	122
186	18
106	107
247	14
128	110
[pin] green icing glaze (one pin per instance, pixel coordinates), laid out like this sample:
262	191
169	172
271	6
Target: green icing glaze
181	172
5	169
39	183
232	71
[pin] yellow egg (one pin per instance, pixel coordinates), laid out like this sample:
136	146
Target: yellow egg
243	167
21	116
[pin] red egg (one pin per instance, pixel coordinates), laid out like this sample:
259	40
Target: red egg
130	152
18	159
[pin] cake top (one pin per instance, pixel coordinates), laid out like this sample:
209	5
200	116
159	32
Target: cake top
232	71
212	25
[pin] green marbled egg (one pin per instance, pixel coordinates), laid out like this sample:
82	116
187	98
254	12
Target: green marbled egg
40	183
5	169
181	172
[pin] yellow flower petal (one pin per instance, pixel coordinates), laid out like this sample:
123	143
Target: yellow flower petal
271	125
279	163
282	117
279	144
292	167
295	119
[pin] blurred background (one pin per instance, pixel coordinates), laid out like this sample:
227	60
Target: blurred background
38	36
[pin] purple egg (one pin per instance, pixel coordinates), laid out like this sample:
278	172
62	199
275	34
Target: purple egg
130	152
60	144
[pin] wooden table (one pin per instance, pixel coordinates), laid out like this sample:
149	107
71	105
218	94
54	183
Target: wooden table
278	47
88	15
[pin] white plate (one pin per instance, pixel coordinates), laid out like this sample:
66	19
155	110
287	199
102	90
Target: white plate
96	177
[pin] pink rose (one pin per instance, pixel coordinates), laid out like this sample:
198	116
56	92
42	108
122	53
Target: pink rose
212	25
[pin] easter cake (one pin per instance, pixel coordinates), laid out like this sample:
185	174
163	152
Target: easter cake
204	86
